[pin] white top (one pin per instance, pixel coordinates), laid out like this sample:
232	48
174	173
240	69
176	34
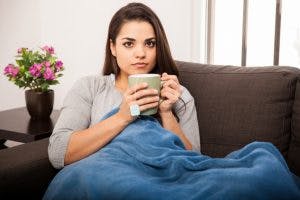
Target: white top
91	98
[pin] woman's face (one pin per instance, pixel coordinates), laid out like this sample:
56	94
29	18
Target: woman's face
135	48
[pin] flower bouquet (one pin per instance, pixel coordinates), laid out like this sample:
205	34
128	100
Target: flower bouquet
36	70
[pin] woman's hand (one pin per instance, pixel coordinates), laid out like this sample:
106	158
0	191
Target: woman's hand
139	95
170	92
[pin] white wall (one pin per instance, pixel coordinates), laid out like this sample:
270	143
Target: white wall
20	25
77	30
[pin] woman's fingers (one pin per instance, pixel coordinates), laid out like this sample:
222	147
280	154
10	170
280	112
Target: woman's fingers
142	96
171	87
144	93
170	81
148	106
140	90
147	100
170	94
136	88
167	77
172	84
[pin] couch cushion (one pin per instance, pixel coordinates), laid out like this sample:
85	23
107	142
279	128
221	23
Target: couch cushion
25	170
238	105
294	150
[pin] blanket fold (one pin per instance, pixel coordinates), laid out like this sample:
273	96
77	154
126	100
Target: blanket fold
145	161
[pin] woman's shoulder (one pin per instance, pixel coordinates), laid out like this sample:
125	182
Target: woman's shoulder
95	79
94	82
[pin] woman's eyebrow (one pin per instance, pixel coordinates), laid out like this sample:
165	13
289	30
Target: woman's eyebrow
127	38
149	39
132	39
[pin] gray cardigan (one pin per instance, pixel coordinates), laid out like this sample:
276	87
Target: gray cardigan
91	98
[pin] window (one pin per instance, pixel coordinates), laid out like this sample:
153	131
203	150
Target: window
290	33
228	32
261	32
254	24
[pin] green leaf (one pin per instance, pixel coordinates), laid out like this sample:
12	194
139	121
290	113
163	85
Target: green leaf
54	82
27	74
52	60
44	87
22	69
19	62
20	83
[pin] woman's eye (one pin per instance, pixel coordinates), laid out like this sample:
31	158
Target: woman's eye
150	44
128	44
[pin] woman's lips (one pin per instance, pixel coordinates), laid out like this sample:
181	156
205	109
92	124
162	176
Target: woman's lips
140	64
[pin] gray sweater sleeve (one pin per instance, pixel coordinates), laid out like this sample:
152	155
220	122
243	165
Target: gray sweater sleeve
187	114
75	115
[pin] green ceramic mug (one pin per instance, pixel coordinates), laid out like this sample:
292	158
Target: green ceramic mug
153	81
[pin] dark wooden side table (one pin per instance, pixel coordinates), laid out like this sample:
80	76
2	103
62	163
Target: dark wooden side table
16	125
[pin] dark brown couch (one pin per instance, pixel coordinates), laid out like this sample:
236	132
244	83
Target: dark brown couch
236	105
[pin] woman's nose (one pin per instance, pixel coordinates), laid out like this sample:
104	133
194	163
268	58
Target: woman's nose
140	52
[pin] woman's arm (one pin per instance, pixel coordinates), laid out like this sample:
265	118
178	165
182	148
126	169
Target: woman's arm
170	93
186	112
170	123
85	142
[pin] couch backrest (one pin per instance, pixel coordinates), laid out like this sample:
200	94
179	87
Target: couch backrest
294	149
238	105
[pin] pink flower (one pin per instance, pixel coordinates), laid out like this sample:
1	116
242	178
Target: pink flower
35	70
11	70
47	63
8	68
48	49
58	65
48	74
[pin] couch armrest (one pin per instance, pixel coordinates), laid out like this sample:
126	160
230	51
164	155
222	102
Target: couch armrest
25	170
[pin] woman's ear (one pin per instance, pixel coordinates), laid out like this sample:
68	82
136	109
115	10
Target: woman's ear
112	48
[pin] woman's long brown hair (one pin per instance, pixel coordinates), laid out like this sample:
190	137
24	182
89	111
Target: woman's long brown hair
139	12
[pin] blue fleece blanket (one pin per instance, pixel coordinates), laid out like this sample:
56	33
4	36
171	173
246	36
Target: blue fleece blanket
147	162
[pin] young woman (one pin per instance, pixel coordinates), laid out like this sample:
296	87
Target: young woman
136	43
119	156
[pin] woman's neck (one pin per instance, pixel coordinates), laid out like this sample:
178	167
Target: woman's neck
121	83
